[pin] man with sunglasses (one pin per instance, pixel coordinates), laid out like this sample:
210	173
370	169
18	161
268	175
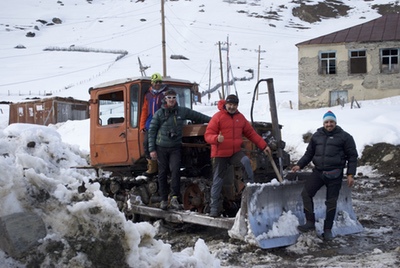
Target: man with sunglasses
331	149
165	142
152	102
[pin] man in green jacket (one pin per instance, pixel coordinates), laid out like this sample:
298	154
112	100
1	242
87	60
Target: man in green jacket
165	142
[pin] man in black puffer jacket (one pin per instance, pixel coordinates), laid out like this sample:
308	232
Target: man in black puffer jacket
165	142
331	149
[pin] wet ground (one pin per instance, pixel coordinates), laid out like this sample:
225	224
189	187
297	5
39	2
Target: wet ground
376	202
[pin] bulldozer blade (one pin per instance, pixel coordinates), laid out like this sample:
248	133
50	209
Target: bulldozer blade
270	214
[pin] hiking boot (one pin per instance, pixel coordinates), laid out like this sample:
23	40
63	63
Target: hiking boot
214	214
164	205
152	168
174	204
327	235
309	226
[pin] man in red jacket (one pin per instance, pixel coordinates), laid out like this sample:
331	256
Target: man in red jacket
225	133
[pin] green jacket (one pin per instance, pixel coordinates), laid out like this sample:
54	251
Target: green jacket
167	123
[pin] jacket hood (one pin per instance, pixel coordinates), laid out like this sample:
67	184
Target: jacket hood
221	105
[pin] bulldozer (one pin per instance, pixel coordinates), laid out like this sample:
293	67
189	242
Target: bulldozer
253	212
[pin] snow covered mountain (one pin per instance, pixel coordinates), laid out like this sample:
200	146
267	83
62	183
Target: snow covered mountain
64	47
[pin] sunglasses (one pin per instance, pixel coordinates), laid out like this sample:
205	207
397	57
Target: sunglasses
171	97
158	82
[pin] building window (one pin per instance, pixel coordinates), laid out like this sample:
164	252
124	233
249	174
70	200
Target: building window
390	60
358	62
327	62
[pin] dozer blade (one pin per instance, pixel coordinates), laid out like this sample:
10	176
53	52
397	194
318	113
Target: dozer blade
270	214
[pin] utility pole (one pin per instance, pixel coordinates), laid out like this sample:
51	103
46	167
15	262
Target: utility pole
228	89
209	82
258	68
233	80
222	71
164	53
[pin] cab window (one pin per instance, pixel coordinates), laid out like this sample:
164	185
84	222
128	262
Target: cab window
111	108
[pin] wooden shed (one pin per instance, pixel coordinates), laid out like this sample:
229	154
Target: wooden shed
48	111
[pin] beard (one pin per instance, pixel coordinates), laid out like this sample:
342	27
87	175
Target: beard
231	110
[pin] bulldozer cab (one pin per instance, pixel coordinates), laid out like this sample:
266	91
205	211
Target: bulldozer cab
115	108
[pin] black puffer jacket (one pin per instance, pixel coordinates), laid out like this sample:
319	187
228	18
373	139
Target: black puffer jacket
331	150
166	126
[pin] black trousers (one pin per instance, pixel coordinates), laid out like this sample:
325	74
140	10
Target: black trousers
311	187
169	160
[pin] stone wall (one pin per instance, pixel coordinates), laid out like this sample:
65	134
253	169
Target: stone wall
314	88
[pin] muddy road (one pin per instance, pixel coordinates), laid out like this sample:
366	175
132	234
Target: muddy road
376	202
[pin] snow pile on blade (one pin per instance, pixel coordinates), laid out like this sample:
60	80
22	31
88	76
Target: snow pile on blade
271	212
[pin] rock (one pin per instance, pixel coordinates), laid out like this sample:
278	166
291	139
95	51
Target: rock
382	156
42	21
30	34
31	144
20	232
20	47
56	20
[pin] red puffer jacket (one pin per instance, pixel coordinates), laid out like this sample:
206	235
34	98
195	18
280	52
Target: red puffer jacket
233	128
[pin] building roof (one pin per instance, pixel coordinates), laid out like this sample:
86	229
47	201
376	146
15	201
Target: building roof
385	28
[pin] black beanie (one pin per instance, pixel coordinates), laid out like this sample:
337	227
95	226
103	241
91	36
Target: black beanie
232	99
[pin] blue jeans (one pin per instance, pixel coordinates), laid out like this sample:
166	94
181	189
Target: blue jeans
169	159
220	165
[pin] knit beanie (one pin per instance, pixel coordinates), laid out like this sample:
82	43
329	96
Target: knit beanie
232	99
329	116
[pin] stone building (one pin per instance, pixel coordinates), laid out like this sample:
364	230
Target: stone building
357	63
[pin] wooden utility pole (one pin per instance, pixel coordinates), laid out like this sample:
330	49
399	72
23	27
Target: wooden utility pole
228	89
222	72
258	69
209	83
164	53
233	80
